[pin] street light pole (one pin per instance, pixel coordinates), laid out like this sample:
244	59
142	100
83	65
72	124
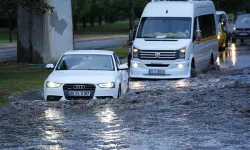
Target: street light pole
131	14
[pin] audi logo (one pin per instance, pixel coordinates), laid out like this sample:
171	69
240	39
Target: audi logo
78	87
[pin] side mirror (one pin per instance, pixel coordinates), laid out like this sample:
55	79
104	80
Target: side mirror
50	66
123	67
198	35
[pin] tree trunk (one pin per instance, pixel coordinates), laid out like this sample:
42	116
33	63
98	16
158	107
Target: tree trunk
131	14
100	20
83	22
30	38
10	29
92	21
75	25
106	19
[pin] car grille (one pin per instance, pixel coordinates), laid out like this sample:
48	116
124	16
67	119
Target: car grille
87	87
243	29
158	54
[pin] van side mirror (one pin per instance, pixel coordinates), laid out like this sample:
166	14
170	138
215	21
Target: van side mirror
50	66
198	35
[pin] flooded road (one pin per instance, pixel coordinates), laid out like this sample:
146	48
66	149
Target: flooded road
209	112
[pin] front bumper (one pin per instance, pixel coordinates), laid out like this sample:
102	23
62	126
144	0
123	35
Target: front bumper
172	71
60	94
241	34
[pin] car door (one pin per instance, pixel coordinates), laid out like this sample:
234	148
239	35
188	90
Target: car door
123	76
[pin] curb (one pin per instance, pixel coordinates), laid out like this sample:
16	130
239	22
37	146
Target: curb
8	109
100	39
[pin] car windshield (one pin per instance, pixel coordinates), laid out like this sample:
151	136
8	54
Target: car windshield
165	27
86	62
243	20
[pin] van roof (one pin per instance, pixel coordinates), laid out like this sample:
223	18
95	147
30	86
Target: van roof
178	8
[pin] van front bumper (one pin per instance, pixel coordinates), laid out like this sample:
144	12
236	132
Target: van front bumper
173	71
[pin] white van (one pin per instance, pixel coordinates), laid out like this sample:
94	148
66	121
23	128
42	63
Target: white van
173	39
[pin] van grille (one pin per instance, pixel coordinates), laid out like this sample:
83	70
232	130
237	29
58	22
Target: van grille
158	54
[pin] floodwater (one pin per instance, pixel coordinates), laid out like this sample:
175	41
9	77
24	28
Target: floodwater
209	112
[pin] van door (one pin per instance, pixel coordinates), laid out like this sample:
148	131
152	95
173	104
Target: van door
209	42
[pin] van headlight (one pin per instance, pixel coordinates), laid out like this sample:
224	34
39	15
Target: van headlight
107	85
135	52
182	53
50	84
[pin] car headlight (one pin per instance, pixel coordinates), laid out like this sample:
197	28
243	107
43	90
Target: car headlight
218	37
107	85
182	53
135	52
234	28
53	84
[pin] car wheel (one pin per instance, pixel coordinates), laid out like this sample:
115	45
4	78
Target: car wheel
119	92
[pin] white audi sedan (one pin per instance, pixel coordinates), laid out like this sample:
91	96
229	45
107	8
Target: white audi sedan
86	74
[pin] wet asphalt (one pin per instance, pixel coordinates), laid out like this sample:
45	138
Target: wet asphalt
210	112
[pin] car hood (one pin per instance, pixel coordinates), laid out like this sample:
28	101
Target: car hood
88	77
242	26
161	45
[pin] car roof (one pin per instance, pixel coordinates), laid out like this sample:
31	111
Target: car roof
102	52
221	12
244	15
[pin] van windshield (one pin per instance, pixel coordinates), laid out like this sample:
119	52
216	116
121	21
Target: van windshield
165	27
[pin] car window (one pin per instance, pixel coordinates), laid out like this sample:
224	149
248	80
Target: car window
86	62
243	20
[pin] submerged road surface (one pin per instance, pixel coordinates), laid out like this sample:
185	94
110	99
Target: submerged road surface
209	112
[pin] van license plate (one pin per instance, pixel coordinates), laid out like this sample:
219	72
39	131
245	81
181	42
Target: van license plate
79	93
243	34
157	72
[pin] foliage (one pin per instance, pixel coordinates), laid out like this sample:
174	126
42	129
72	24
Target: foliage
9	7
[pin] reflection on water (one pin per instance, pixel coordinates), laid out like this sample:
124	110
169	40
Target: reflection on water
111	136
228	58
51	133
106	116
137	85
54	115
181	84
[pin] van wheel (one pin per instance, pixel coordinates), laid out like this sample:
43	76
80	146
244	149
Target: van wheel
233	40
211	62
193	72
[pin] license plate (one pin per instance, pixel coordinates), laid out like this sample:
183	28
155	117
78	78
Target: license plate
157	72
79	93
243	34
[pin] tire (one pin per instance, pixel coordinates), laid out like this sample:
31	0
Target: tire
211	62
193	72
234	40
119	92
220	49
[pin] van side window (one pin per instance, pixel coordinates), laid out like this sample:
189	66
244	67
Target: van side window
207	25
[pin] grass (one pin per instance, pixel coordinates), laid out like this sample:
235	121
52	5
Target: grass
122	52
117	28
4	36
18	78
